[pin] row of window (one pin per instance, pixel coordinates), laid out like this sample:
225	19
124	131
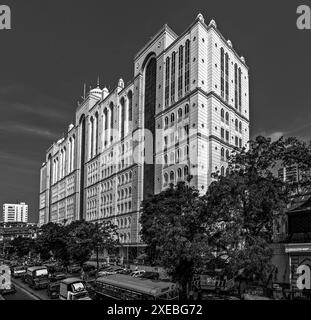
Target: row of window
171	120
177	156
170	73
224	80
125	193
125	207
179	175
225	117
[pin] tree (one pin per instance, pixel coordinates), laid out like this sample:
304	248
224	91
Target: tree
52	242
22	246
171	227
87	237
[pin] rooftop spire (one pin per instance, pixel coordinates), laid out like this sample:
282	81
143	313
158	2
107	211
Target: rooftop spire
98	82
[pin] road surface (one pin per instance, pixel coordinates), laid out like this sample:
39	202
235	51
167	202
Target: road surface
21	294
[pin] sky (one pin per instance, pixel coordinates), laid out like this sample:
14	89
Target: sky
55	46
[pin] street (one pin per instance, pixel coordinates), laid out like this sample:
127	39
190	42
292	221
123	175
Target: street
21	294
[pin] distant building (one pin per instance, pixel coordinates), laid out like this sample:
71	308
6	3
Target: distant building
15	212
12	230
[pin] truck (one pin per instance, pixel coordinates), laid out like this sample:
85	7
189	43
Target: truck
37	277
73	289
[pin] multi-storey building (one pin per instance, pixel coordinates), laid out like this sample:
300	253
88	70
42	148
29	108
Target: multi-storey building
183	113
15	212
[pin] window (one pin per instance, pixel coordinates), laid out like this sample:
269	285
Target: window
179	114
165	160
165	141
186	109
227	118
172	176
222	133
165	178
227	77
187	66
236	125
222	115
172	118
227	135
173	77
240	143
240	89
222	68
222	171
236	86
166	123
180	70
222	153
187	130
236	141
186	171
240	127
186	151
172	158
179	173
227	155
130	102
167	81
177	155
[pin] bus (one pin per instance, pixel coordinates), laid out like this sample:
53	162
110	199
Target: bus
125	287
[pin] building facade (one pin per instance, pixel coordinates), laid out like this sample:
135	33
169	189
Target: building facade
15	212
183	113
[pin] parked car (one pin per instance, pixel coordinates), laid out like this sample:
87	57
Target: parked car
19	271
150	275
74	268
138	273
54	285
12	290
109	271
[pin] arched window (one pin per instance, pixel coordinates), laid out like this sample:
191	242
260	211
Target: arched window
222	68
172	118
227	77
177	157
227	117
222	154
180	70
222	171
187	66
179	114
167	81
186	109
130	101
165	178
222	115
166	122
186	171
172	176
236	125
173	75
240	127
179	173
130	191
165	159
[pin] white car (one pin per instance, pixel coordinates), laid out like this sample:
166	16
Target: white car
138	273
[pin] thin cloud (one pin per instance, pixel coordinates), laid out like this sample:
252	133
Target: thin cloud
17	128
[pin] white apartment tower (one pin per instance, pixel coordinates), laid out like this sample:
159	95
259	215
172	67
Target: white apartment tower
15	212
185	110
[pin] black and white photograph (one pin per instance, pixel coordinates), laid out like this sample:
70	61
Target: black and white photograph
155	153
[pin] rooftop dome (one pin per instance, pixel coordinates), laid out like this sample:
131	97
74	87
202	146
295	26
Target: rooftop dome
121	83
